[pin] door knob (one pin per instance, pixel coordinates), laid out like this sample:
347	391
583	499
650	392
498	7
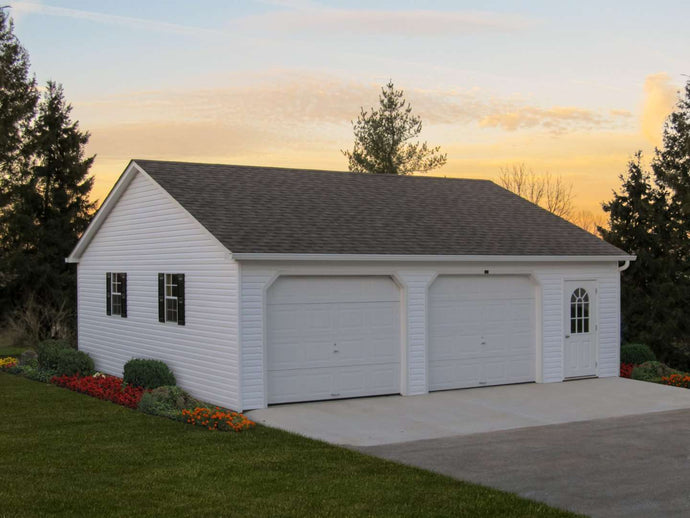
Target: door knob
567	336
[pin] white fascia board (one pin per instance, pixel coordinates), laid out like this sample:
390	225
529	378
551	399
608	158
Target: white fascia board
105	209
434	258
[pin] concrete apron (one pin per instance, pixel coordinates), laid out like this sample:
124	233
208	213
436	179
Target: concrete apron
395	419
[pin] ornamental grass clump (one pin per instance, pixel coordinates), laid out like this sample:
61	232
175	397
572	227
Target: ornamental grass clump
168	401
218	419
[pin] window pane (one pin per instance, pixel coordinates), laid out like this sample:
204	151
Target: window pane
587	326
573	310
116	306
573	327
579	311
579	325
586	313
171	310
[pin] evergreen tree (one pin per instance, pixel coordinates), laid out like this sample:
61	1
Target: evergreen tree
50	205
651	219
18	98
382	139
639	223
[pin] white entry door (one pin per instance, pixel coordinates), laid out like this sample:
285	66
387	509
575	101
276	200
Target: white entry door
332	337
481	331
580	326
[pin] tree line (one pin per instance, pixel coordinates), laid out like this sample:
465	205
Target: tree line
44	195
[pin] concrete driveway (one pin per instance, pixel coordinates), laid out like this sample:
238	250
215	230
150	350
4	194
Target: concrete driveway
395	419
603	447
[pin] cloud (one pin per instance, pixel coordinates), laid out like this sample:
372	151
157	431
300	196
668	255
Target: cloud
416	22
621	113
304	103
659	101
34	8
557	119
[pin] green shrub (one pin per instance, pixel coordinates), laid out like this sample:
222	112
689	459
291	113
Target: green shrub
636	354
149	374
49	350
167	401
71	362
652	371
38	374
33	373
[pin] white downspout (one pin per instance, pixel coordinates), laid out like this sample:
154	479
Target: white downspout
624	266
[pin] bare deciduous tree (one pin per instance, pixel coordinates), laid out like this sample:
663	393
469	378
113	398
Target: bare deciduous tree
589	221
548	191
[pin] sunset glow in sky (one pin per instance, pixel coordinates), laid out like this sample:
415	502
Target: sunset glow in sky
572	88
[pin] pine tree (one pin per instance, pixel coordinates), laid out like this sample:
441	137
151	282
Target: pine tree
382	139
18	98
651	219
651	289
51	206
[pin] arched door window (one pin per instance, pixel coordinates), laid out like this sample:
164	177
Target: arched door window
579	311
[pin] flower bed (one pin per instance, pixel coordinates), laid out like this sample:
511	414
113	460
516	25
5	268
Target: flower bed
108	388
626	369
218	419
677	380
7	363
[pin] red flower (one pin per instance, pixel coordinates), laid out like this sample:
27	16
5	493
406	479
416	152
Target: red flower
108	388
626	369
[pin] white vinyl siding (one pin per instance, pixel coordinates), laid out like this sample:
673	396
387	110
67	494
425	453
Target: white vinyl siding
147	233
548	281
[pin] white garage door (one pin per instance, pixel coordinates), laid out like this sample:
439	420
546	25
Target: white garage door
481	331
332	337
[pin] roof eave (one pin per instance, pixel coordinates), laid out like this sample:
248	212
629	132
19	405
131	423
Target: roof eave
435	258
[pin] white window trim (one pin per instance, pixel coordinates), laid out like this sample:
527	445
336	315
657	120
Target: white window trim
115	281
171	298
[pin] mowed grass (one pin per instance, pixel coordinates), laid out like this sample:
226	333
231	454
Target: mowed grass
67	454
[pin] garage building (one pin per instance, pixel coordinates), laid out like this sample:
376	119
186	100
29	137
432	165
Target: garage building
261	285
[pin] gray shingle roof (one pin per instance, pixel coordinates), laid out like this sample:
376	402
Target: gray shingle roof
274	210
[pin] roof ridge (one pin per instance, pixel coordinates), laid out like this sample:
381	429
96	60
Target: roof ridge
306	170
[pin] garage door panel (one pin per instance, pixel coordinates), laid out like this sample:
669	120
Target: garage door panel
332	337
481	331
448	372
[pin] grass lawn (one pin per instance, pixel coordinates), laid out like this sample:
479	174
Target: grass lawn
11	351
67	454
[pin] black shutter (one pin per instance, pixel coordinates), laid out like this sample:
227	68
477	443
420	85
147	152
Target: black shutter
179	280
161	297
107	294
123	297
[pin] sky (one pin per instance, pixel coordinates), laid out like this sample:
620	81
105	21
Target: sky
572	88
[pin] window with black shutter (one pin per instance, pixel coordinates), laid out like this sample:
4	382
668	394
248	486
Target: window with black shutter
116	294
171	299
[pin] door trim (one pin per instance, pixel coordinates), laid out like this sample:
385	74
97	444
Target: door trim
595	314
